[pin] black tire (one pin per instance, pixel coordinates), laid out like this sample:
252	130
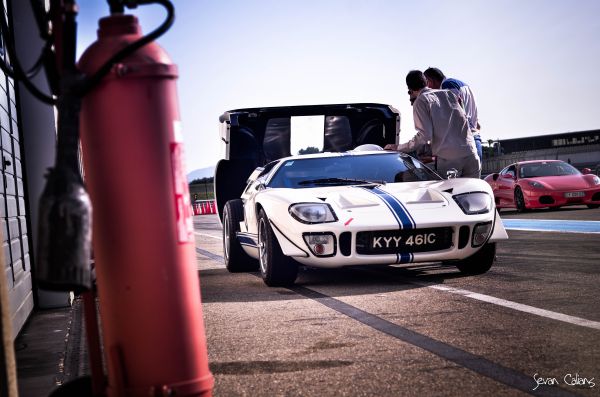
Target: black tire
276	269
593	206
520	200
236	260
480	262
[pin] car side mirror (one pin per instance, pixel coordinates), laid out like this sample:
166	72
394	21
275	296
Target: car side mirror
257	171
451	173
260	186
586	171
495	176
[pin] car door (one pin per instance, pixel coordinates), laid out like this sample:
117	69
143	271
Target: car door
255	186
249	224
506	184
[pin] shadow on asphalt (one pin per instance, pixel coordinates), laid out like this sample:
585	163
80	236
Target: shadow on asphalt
218	285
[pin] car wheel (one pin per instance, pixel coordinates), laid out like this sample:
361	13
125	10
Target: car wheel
236	260
480	262
520	200
592	206
276	269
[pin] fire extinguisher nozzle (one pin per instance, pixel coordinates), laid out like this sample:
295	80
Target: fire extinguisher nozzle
64	244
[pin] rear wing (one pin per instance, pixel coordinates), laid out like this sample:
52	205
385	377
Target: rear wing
253	137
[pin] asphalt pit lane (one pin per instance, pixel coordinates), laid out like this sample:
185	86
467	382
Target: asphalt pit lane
271	367
326	345
286	293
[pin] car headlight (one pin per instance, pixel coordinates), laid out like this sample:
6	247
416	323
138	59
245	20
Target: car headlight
312	213
596	180
536	184
474	202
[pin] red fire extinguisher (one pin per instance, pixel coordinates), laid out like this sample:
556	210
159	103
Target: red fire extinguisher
147	277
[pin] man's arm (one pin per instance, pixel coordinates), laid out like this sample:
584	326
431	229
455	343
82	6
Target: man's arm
414	144
423	125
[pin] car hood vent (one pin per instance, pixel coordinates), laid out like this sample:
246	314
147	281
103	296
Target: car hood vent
417	197
425	196
346	201
411	196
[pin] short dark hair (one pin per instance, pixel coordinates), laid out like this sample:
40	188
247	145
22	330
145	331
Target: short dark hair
434	74
415	80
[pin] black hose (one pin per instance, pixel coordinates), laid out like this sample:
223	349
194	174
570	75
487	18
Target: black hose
93	80
17	71
39	12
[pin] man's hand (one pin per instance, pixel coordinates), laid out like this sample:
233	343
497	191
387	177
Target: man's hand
391	146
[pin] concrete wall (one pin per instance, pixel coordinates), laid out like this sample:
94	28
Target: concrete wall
38	133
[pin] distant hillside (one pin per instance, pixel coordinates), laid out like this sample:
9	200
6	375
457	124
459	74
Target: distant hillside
207	172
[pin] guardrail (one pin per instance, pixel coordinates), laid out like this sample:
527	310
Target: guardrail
204	207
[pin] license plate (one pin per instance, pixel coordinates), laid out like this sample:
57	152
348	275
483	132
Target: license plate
394	241
574	194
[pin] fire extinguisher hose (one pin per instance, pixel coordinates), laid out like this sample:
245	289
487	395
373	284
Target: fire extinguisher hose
93	80
17	71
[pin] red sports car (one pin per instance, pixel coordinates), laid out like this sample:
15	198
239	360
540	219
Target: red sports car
544	183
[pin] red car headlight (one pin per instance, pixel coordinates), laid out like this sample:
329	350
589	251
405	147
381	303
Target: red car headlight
536	184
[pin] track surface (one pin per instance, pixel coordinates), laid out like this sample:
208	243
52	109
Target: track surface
414	330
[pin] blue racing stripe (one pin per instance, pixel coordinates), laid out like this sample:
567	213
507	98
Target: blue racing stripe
404	257
389	207
406	221
409	222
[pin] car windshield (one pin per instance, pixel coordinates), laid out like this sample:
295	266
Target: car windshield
533	170
350	170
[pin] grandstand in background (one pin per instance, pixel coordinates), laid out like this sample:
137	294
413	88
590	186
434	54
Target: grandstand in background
581	149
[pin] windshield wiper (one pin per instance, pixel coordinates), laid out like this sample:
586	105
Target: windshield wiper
340	181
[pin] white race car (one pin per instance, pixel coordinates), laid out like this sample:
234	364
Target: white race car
357	208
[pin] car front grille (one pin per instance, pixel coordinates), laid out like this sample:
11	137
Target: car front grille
346	243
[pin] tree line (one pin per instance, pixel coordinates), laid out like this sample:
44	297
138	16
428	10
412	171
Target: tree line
202	189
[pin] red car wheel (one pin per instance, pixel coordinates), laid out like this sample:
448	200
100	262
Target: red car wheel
520	200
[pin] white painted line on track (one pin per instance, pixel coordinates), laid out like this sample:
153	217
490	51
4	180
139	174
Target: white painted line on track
551	225
518	306
495	301
548	230
208	235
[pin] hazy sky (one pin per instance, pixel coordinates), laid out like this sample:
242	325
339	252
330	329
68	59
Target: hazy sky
532	64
